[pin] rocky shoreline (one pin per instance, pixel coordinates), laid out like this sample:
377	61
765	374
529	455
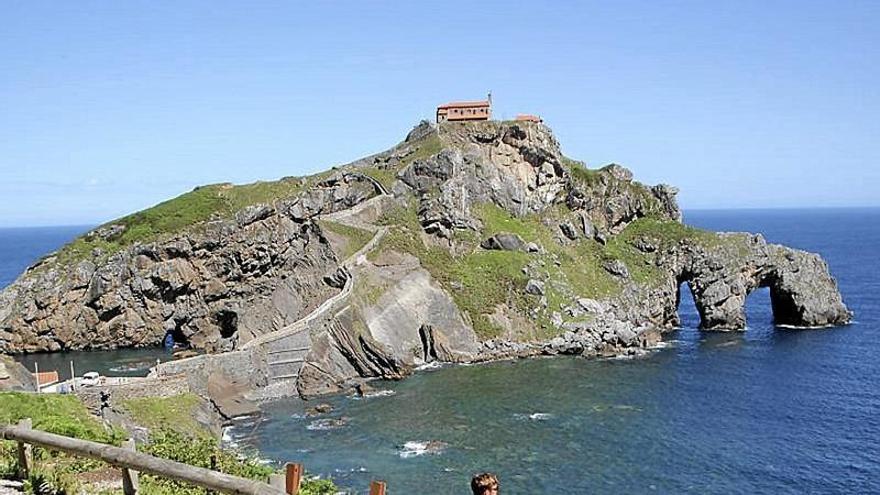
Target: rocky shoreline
465	243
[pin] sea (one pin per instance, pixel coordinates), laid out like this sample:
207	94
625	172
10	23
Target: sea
769	410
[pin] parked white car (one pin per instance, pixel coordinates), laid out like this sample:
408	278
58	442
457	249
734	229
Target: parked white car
90	379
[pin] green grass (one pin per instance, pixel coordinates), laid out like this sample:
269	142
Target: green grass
177	214
206	453
59	414
664	233
200	204
217	201
579	171
65	415
579	263
367	289
355	238
479	280
176	413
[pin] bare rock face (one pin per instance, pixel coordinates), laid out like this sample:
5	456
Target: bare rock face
594	269
213	287
518	167
211	290
611	200
802	291
721	272
15	377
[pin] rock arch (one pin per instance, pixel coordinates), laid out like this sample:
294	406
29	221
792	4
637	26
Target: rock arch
802	291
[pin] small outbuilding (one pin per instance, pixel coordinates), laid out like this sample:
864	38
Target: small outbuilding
526	117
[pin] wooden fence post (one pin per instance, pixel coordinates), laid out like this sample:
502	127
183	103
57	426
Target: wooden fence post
25	452
132	459
130	482
377	488
293	472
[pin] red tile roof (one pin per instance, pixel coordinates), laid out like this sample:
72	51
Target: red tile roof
465	104
46	377
528	117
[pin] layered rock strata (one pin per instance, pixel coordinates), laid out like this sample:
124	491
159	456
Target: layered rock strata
371	270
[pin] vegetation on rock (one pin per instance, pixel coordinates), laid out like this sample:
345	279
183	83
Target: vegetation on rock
386	173
354	237
215	201
175	413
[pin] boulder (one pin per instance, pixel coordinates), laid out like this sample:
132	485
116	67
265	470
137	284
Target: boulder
533	247
568	230
504	242
535	287
318	410
591	305
616	268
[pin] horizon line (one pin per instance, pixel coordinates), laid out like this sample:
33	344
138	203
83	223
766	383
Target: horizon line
684	210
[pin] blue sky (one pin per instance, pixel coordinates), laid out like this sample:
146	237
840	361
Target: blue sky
110	107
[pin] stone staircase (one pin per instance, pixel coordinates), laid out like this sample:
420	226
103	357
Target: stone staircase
285	356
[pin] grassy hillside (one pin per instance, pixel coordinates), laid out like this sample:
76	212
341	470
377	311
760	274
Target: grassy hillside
177	214
218	201
62	474
479	280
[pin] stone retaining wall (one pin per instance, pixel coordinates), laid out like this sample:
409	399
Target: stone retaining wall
137	388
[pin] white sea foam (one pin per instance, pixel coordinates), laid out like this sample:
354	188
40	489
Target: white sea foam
374	394
325	424
414	448
229	438
227	435
433	365
536	416
807	327
380	393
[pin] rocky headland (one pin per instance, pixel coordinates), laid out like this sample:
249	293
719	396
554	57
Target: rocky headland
466	242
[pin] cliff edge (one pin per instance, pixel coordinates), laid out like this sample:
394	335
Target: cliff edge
465	242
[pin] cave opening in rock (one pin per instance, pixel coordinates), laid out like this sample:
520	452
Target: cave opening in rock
686	307
782	304
765	301
227	320
176	338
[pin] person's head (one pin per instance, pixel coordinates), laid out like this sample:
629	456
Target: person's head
485	484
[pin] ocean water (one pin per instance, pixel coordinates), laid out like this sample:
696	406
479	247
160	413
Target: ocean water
769	410
21	247
765	411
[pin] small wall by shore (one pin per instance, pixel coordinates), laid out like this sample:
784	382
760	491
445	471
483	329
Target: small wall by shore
136	388
244	366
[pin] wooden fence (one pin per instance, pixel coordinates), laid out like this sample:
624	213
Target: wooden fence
132	462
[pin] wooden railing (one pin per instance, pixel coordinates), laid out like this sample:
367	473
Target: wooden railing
132	462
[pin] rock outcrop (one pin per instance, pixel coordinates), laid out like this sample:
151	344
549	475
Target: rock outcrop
212	287
466	242
802	291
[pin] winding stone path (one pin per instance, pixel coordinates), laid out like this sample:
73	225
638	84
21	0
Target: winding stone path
286	349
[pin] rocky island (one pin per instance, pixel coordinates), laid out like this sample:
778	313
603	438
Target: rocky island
466	242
